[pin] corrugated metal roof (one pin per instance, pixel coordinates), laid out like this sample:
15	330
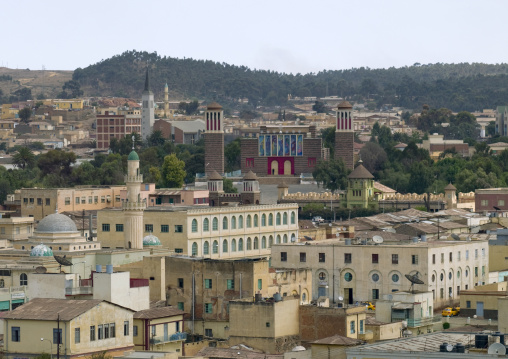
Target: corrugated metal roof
158	312
338	340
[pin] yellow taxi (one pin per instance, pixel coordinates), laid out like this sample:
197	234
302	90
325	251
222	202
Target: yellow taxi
369	305
451	312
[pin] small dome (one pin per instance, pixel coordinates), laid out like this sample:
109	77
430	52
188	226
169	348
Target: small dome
298	348
133	156
344	104
55	223
214	106
215	176
250	176
151	240
41	250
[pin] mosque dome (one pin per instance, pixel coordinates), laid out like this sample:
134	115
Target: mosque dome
133	156
151	240
41	250
55	223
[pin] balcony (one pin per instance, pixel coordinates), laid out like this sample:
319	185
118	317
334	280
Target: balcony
79	291
168	339
415	323
138	282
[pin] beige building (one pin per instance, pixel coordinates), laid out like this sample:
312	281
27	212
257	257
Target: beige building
210	232
86	327
482	301
39	202
360	272
15	229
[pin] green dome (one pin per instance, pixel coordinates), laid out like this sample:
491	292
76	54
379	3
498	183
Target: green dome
133	156
41	250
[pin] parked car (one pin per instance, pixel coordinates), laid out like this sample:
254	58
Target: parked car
318	219
450	312
369	305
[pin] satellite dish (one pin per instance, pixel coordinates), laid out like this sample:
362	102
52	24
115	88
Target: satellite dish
497	208
391	230
341	298
306	237
62	261
456	237
40	270
449	347
377	239
404	324
414	280
497	348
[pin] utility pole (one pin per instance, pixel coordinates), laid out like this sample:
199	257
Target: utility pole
58	337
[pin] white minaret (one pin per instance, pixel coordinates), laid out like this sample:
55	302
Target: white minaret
166	101
133	206
147	114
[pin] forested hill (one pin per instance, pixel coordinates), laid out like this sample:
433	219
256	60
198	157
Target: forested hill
455	86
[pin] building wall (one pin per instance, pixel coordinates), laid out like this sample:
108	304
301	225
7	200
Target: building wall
385	331
174	324
486	199
344	147
214	152
50	285
115	288
16	228
502	308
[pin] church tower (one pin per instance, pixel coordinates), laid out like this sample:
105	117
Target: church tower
133	206
214	139
147	113
166	101
344	134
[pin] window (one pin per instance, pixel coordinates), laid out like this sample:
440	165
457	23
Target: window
322	275
208	333
180	282
240	244
485	202
164	228
352	327
57	336
267	324
225	223
23	279
347	257
180	305
103	199
361	326
92	333
476	271
215	224
208	308
263	220
414	259
149	228
395	278
467	254
256	243
100	332
206	248
126	328
215	247
240	222
178	250
476	254
442	258
206	225
249	244
260	284
77	335
283	256
263	242
208	283
375	258
348	277
233	245
322	257
105	227
119	227
483	270
270	219
233	222
483	252
468	304
395	259
106	331
285	218
90	200
256	224
15	334
303	257
96	199
278	219
230	283
433	259
48	201
270	241
375	294
450	256
500	202
39	201
293	218
225	246
134	330
178	228
32	201
458	256
285	238
112	330
194	249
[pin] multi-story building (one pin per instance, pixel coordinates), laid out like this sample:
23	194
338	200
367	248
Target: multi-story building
116	123
181	132
359	272
489	200
40	202
502	120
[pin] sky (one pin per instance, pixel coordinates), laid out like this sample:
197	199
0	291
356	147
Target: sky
286	36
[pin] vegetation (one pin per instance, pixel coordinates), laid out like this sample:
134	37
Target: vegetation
24	114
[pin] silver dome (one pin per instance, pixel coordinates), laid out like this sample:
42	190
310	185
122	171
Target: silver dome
41	250
55	223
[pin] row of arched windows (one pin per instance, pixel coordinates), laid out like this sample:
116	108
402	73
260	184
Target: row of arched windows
238	245
280	219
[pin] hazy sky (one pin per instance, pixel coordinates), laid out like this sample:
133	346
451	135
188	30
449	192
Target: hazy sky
288	36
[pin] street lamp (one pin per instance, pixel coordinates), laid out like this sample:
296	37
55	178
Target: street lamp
50	342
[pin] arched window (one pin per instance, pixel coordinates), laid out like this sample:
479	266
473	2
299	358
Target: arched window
194	249
23	279
277	219
233	222
256	243
278	239
206	225
206	248
215	247
293	217
285	218
263	220
240	222
240	245
194	225
233	245
2	283
215	224
270	219
225	223
256	220
249	221
285	238
263	242
270	242
249	244
225	246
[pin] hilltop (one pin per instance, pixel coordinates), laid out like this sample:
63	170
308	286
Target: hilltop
47	82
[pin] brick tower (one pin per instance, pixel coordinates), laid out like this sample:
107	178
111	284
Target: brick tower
214	139
250	193
344	134
215	188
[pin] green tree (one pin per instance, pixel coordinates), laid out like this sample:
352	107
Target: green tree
228	187
156	138
173	171
23	158
319	107
24	114
373	156
332	174
420	178
58	164
232	153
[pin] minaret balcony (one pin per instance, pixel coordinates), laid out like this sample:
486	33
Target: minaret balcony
135	178
133	206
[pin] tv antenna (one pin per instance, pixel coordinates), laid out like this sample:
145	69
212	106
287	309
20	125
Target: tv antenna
414	280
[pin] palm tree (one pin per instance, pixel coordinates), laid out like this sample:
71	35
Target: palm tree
24	157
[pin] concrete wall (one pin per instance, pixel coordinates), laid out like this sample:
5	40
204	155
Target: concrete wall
50	285
115	288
